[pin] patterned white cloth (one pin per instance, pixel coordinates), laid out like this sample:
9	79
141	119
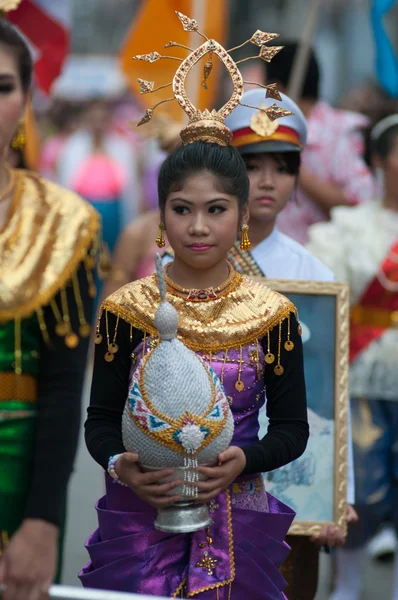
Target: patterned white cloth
333	153
354	245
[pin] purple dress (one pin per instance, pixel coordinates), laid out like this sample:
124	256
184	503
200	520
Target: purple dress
237	557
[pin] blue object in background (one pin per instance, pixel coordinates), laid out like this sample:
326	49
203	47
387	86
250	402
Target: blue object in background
386	61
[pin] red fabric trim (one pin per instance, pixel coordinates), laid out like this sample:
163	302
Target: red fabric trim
375	296
281	129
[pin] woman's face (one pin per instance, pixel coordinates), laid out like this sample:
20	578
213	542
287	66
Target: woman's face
202	221
271	186
12	98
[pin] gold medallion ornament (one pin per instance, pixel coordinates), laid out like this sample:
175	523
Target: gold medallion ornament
72	340
240	386
85	330
278	370
109	357
262	124
269	358
61	329
289	346
208	125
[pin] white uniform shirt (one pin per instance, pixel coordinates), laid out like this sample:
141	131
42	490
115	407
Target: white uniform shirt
281	257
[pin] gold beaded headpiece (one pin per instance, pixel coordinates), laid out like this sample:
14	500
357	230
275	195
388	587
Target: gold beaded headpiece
209	125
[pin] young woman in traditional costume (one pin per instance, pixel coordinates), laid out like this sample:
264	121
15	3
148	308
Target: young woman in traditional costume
250	337
361	246
47	235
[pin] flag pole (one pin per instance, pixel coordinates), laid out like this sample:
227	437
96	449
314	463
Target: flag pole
300	62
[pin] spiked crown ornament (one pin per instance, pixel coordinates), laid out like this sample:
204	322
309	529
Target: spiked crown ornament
209	125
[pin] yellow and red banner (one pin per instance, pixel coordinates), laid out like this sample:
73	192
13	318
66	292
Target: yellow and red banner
154	26
377	310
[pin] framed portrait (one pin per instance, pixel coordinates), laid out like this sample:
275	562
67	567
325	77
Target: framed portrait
315	485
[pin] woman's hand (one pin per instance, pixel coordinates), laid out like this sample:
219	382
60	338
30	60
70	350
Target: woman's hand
146	485
231	463
330	535
29	564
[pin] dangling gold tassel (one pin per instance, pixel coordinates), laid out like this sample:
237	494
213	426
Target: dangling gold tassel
105	262
17	347
208	66
245	243
84	327
160	239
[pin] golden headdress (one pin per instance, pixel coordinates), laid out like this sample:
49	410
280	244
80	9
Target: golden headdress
208	125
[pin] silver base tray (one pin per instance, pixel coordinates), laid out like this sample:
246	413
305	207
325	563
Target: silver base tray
183	517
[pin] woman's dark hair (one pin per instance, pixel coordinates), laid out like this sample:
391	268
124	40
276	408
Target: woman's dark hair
384	143
291	161
280	68
224	162
14	41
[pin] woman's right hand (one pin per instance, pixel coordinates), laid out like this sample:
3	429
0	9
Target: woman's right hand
146	485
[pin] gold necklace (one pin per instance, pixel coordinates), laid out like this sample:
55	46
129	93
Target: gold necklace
204	294
5	192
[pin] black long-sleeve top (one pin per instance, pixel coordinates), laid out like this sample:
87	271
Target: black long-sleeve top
61	374
288	429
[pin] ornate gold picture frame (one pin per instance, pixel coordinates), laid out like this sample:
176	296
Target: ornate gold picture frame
315	485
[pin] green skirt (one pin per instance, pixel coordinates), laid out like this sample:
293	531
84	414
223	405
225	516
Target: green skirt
17	446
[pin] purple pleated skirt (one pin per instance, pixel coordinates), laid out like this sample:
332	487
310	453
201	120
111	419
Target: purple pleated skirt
237	558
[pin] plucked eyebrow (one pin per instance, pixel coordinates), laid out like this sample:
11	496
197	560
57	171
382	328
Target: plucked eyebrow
6	76
214	201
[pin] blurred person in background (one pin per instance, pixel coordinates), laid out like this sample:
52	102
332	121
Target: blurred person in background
63	118
370	100
47	240
360	244
333	171
135	252
101	166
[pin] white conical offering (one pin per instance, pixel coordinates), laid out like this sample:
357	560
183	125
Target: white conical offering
176	414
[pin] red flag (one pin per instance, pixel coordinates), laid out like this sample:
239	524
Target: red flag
46	24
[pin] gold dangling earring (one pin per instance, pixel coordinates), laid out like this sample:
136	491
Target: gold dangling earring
245	243
160	239
207	70
19	140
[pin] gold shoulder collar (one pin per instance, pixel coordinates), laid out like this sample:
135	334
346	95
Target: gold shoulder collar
46	237
246	313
